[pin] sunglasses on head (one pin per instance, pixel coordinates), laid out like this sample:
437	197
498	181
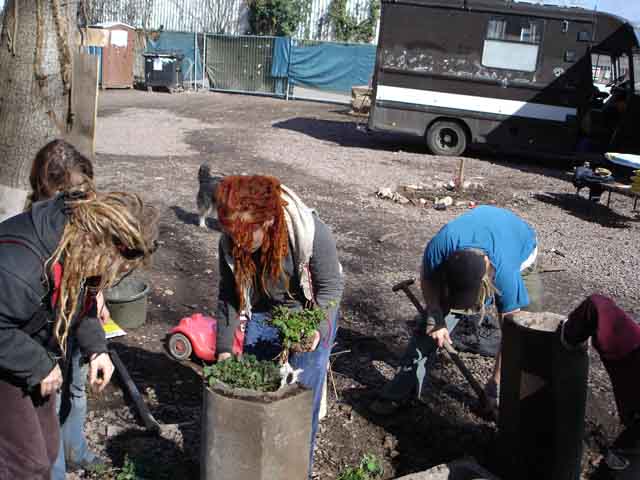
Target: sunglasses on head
132	253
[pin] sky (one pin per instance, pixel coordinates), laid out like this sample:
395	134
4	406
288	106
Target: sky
629	9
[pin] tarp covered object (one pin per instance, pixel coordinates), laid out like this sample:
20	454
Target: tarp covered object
331	66
182	43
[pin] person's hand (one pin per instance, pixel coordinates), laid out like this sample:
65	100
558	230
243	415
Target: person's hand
52	382
224	356
100	370
440	336
316	341
103	312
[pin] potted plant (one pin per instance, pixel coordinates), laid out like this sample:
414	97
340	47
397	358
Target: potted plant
254	426
297	328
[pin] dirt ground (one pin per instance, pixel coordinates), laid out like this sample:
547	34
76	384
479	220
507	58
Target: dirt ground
153	143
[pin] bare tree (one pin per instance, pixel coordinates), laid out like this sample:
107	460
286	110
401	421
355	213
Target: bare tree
36	49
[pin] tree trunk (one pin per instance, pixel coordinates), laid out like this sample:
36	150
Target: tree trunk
36	49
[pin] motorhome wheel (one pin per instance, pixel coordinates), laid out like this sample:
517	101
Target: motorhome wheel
446	138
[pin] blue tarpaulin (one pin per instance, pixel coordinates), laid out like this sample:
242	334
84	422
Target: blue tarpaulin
281	54
180	43
331	66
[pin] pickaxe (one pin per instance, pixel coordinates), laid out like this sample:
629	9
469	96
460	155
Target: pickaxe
450	352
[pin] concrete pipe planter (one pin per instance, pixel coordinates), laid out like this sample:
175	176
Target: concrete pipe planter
249	435
543	394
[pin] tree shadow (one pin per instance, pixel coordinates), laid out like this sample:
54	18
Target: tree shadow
192	218
352	134
354	353
584	209
173	394
172	391
150	456
427	432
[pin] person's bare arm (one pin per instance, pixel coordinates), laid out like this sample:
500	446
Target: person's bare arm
431	293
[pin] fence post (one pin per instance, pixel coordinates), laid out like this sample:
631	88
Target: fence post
204	57
195	60
289	67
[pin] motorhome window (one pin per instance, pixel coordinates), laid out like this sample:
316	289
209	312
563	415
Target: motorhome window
515	29
512	44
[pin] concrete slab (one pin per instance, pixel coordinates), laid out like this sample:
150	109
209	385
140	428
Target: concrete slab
463	469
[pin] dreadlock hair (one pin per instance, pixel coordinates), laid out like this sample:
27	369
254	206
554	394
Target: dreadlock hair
106	237
245	204
488	289
59	166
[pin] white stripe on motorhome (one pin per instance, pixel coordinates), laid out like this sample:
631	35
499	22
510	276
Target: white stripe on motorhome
474	104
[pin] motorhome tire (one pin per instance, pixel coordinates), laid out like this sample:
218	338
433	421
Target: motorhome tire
446	138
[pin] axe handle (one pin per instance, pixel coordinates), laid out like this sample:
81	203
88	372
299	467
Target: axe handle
455	358
451	352
146	416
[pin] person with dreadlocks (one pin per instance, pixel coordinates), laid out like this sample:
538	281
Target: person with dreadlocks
274	251
485	255
54	258
57	167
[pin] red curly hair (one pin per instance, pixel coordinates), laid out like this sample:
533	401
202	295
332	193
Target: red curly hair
246	203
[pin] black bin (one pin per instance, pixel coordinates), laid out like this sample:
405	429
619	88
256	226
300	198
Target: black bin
163	70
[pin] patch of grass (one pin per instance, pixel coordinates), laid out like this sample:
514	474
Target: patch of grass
370	468
245	372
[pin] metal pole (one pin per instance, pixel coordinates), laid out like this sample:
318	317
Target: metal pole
195	60
204	57
289	67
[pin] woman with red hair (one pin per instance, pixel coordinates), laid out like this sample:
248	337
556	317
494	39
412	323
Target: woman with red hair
274	251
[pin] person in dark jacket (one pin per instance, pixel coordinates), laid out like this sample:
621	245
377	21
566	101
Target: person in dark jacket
275	251
57	167
53	260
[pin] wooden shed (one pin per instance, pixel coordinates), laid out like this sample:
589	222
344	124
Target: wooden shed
118	55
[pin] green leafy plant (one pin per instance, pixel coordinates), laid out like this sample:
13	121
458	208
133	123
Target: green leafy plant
128	470
296	328
348	28
277	17
370	468
245	372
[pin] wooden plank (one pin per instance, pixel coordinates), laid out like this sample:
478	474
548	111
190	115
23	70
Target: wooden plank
93	37
84	103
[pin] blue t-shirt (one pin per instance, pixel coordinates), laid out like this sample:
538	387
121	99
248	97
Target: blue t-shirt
504	237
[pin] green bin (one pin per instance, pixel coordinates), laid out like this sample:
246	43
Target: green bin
127	303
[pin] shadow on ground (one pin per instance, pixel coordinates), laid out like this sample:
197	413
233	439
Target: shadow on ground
192	218
585	209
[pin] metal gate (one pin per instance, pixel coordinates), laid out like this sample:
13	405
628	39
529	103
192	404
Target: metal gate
240	63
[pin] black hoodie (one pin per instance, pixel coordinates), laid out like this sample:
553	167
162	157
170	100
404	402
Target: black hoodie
26	242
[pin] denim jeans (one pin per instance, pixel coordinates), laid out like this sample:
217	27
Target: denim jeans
73	444
262	340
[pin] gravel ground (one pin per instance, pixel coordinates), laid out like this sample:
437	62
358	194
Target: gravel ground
153	143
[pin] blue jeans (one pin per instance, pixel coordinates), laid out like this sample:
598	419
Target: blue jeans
412	375
262	340
73	444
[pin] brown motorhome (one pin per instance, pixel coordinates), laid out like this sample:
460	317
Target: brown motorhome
515	76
